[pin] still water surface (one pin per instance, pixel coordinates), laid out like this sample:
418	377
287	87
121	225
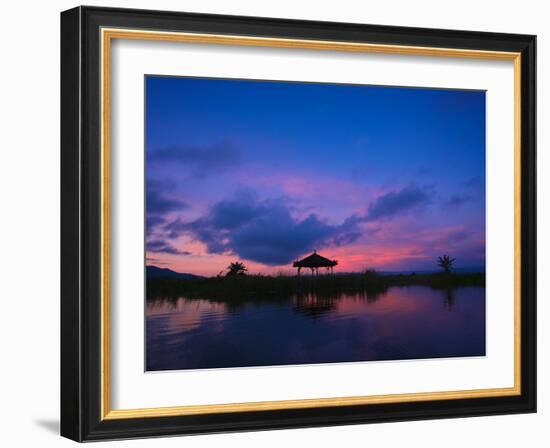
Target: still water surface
402	323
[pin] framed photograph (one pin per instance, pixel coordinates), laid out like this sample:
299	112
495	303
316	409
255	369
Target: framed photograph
274	223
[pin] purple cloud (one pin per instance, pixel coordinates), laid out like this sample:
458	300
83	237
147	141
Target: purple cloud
263	231
266	231
157	203
396	203
162	246
200	161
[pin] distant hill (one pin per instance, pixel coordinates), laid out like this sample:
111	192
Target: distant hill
156	272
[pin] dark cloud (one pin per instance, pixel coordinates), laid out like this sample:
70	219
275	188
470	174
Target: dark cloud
162	246
153	222
200	161
396	203
157	203
457	200
267	232
263	231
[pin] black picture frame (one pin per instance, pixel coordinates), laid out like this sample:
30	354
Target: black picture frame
81	224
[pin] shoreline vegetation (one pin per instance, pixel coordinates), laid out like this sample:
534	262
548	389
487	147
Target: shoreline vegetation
241	288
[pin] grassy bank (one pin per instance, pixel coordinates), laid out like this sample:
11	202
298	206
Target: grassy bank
256	287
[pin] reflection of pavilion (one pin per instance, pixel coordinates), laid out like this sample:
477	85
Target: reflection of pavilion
314	304
314	262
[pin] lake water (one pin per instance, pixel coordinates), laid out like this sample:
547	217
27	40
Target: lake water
402	323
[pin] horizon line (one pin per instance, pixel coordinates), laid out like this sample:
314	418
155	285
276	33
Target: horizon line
389	271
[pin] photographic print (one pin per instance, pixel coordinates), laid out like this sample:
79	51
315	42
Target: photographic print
293	223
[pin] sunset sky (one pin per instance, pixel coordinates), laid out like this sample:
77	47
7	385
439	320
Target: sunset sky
264	172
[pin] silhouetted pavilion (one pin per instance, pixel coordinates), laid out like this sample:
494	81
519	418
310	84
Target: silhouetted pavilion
314	262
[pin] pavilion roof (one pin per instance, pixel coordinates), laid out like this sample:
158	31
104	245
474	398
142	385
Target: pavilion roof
314	261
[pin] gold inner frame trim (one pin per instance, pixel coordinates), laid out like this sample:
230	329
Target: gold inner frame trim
107	35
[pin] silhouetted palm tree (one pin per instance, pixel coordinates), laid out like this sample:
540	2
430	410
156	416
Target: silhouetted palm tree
236	268
446	263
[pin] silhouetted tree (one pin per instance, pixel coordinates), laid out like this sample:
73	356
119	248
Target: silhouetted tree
446	263
236	268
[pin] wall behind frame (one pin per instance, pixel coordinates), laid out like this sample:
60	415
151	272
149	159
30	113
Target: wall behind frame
29	229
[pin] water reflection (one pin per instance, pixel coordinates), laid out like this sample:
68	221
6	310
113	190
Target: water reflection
315	304
398	323
449	298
